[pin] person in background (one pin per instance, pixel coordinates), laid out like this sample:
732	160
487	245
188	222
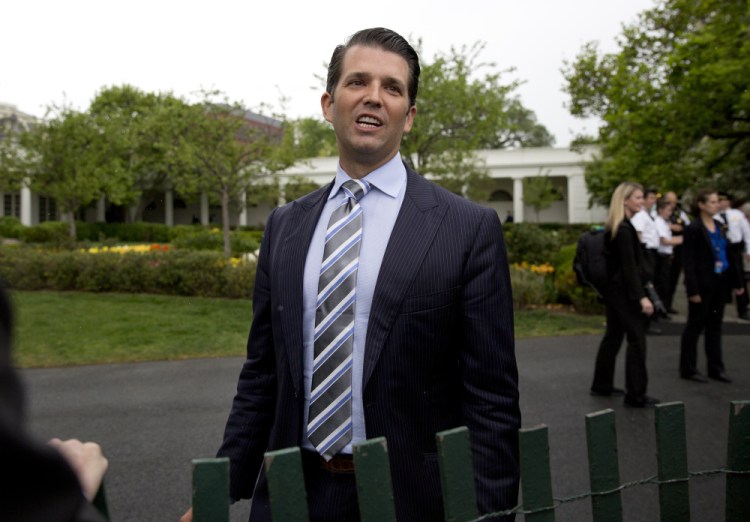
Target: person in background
667	242
53	482
678	220
627	306
738	235
644	223
710	276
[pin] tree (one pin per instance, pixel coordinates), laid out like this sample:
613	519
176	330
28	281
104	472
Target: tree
460	112
539	193
144	131
66	158
298	186
674	100
230	151
313	137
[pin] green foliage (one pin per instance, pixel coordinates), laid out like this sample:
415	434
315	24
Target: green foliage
54	232
10	226
461	111
674	100
199	273
539	193
529	242
313	138
140	232
199	238
229	155
530	288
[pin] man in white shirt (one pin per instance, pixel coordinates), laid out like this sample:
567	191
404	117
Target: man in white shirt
667	242
738	234
645	226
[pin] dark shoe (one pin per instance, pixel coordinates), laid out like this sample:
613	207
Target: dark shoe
697	377
672	311
723	377
641	402
607	393
653	330
744	317
665	317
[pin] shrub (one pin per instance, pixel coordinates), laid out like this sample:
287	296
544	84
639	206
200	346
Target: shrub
529	242
199	238
530	288
10	226
52	232
203	273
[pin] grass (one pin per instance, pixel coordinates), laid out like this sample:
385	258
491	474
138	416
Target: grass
71	328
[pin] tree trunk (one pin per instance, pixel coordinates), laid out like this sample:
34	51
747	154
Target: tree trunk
72	225
225	223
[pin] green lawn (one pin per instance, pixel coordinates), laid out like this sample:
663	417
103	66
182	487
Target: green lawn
62	329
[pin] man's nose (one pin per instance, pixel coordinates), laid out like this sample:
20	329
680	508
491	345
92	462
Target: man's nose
373	94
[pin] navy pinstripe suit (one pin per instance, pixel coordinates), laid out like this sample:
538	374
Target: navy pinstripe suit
439	351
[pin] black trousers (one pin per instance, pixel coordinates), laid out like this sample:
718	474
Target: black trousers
705	317
661	279
624	320
674	276
737	251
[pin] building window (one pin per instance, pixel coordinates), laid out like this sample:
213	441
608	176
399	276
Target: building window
501	195
12	205
47	209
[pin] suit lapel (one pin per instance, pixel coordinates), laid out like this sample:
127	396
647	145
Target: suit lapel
417	222
302	221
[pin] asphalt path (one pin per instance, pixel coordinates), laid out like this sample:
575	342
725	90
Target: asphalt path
152	419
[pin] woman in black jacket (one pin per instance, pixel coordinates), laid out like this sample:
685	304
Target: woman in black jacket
627	306
709	278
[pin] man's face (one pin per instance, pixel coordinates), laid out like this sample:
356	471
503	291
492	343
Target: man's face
369	108
650	201
723	204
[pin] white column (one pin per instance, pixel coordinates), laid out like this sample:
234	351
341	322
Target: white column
26	205
169	207
204	208
100	210
518	200
282	192
243	211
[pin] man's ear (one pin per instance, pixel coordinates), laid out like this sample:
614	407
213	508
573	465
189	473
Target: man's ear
326	103
410	118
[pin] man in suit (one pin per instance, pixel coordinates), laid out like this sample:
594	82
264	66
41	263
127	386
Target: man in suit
431	325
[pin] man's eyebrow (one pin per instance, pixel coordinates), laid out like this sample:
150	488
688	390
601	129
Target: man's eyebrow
362	75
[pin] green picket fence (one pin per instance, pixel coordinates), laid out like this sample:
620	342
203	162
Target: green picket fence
288	499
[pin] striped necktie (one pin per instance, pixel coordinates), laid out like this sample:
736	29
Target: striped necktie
329	424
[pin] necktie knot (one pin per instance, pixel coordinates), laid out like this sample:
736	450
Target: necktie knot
356	188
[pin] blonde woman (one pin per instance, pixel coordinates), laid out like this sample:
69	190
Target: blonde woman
627	306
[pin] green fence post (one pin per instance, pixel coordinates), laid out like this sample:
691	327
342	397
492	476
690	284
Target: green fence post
536	479
100	502
738	459
671	456
211	490
286	485
604	470
374	488
457	474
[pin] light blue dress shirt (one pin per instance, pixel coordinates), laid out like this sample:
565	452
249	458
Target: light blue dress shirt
380	208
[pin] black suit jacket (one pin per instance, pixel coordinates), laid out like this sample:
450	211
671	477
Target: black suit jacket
698	261
439	351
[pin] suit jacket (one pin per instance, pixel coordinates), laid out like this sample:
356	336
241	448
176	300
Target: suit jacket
439	351
626	264
698	261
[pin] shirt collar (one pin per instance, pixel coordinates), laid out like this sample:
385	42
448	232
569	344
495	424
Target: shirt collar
389	178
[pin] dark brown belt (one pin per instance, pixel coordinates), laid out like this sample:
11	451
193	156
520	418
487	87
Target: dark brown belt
338	464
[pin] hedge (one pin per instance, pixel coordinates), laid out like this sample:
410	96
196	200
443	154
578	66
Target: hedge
176	272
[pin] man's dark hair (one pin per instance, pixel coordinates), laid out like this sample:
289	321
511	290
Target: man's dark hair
701	196
651	190
382	38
